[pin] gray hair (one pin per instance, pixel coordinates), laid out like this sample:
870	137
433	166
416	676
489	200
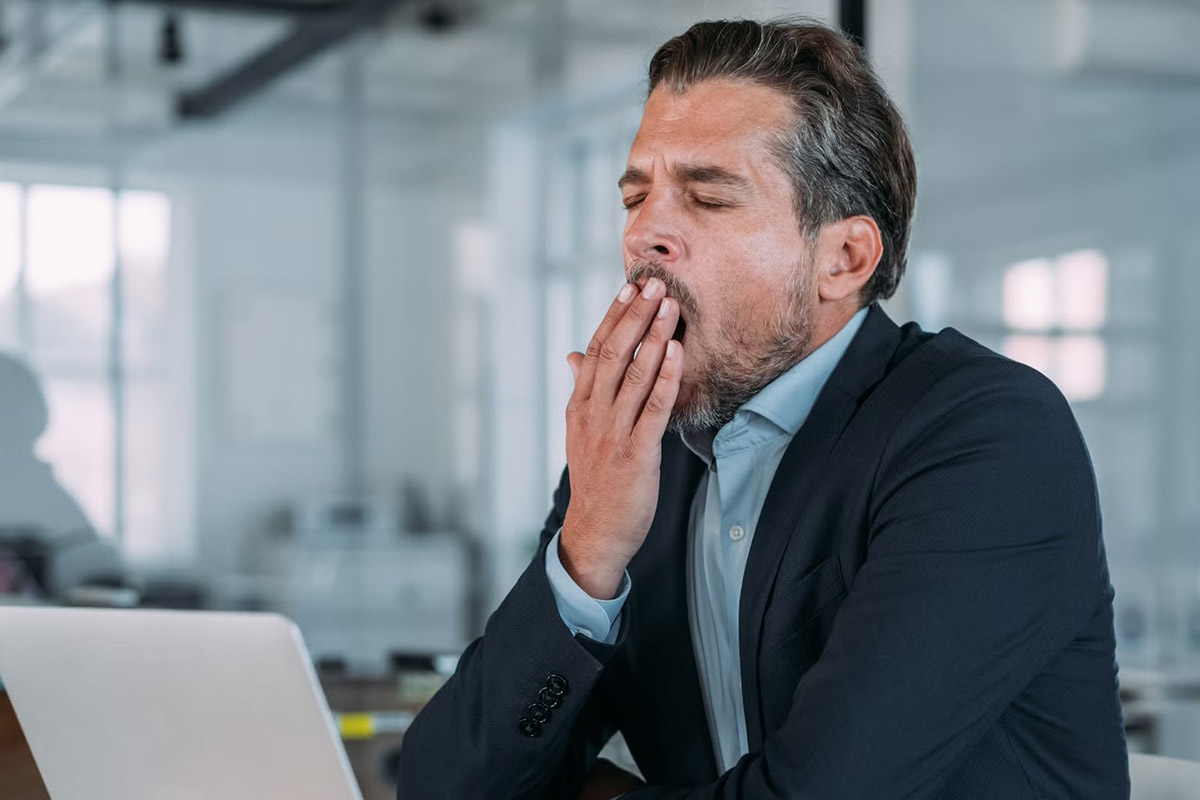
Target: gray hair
848	152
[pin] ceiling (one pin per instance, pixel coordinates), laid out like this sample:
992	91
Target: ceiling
986	95
96	69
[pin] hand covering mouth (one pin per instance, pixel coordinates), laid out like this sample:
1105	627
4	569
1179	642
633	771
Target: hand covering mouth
681	326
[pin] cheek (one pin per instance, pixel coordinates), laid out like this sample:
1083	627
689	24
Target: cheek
743	306
745	281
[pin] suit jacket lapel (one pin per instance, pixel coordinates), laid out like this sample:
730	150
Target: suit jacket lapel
863	365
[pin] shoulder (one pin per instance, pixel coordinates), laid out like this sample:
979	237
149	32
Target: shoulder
953	400
949	371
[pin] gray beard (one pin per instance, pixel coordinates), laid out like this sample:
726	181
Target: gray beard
743	367
741	363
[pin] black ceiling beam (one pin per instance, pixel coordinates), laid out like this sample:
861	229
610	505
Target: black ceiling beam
852	18
272	8
307	39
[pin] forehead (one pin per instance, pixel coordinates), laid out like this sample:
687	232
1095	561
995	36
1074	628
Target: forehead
716	121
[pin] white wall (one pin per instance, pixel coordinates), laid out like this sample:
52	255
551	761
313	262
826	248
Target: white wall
280	235
253	240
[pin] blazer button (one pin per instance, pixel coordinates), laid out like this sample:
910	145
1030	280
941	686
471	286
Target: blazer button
549	700
529	728
539	713
557	685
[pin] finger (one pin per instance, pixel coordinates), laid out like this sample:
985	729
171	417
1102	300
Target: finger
587	367
643	372
652	424
574	360
616	352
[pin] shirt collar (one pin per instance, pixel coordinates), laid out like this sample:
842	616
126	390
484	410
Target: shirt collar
786	401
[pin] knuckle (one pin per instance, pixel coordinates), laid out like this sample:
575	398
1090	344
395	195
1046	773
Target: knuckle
636	373
628	450
594	347
656	404
609	353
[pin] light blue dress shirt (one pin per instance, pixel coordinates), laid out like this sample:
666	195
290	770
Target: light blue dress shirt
742	458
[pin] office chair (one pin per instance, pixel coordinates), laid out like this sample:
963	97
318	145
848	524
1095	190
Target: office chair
1161	778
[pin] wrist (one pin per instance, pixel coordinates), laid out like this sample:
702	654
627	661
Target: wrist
596	572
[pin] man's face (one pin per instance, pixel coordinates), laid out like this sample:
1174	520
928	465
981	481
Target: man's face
710	213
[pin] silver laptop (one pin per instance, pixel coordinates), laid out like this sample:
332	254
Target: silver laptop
163	705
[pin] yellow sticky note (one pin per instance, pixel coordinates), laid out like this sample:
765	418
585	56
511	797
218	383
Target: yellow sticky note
356	726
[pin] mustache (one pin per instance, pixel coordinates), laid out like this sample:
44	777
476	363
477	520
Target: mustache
641	271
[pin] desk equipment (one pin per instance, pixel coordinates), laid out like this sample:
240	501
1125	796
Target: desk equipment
145	705
362	589
1160	778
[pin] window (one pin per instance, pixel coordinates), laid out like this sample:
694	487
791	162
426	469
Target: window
10	262
99	355
1054	312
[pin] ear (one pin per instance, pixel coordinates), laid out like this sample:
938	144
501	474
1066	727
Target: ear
847	253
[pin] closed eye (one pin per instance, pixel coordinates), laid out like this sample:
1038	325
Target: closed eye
633	202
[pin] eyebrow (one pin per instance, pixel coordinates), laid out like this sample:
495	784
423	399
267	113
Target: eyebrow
690	173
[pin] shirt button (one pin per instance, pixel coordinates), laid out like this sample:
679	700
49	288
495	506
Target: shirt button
736	533
587	632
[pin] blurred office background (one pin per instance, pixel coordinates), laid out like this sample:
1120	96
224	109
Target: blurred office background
297	279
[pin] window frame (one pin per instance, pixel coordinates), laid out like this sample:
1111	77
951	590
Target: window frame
117	369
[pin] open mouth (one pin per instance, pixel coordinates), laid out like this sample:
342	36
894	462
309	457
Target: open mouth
681	326
680	330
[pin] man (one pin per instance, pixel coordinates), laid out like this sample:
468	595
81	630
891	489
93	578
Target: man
799	552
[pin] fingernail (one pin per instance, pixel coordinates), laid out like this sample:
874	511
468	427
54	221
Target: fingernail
672	348
651	288
664	307
626	292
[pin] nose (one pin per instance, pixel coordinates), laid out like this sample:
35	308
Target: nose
651	236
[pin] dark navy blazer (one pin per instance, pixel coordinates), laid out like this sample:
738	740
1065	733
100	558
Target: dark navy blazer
926	613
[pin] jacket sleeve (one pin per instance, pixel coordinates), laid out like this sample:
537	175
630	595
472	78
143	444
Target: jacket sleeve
478	736
982	556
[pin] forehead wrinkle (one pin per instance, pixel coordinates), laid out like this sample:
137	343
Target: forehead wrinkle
740	161
731	125
691	172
